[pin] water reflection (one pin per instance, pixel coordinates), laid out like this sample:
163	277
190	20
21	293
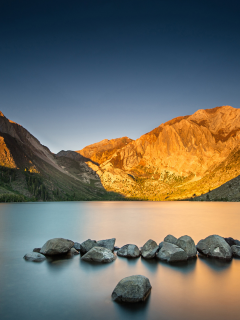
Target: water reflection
217	265
133	310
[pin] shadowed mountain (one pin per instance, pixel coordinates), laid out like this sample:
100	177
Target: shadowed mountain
29	169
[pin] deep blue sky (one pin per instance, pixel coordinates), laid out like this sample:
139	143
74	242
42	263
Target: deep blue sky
76	72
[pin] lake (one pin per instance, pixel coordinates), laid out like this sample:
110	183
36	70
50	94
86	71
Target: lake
73	289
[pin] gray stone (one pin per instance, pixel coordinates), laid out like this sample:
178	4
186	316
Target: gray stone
171	253
37	250
160	245
132	289
236	251
188	245
216	247
232	242
149	249
34	256
116	248
170	239
129	251
73	251
56	246
77	246
99	254
87	245
108	243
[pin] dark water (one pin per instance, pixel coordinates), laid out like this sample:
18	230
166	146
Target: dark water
73	289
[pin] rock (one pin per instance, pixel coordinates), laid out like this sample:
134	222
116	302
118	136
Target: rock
216	247
160	245
188	245
77	246
232	242
99	254
116	248
87	245
236	251
74	251
170	239
57	246
34	256
109	243
129	251
37	250
132	289
171	253
149	249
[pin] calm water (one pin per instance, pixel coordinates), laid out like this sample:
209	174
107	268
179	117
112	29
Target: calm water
72	289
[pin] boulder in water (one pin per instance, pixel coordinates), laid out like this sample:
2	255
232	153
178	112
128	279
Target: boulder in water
187	244
236	251
149	249
170	239
216	247
77	246
132	289
56	246
171	253
99	254
108	243
129	251
34	256
87	245
232	242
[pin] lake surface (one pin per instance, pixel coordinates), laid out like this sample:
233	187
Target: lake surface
74	289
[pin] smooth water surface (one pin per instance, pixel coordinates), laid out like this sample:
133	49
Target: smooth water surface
74	289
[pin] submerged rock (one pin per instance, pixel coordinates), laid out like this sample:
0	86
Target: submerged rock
170	239
216	247
56	246
149	249
87	245
129	251
34	256
108	243
99	254
188	245
132	289
236	251
170	253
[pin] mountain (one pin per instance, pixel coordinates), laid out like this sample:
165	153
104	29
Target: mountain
102	151
30	171
182	158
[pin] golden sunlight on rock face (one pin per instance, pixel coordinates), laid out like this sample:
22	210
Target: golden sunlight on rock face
6	159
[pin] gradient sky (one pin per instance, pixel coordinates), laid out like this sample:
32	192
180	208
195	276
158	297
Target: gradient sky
76	72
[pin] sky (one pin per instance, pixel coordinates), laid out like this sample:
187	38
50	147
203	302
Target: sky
80	71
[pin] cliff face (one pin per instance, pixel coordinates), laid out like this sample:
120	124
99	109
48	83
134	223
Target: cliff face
170	161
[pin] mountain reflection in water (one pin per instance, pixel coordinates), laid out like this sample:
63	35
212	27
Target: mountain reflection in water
66	287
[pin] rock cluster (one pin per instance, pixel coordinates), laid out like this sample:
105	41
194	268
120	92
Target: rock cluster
137	288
